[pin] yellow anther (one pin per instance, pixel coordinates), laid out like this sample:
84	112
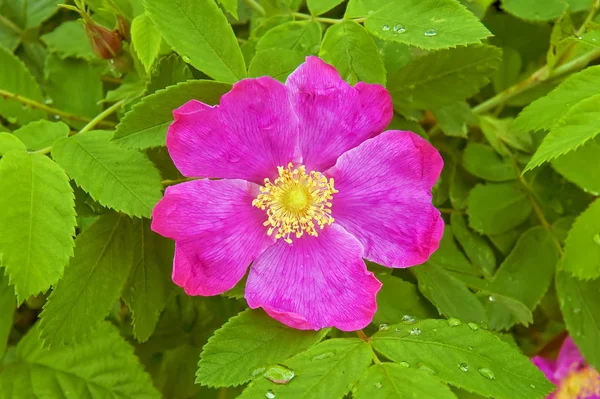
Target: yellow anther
582	383
296	202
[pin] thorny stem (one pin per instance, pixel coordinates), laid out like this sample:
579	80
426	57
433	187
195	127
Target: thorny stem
44	107
326	20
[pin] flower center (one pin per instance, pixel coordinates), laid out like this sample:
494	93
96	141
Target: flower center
580	384
296	202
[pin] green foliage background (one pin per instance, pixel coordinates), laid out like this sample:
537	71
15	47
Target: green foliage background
507	91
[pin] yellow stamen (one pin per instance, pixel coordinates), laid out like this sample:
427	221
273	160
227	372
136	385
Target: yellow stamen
296	202
580	384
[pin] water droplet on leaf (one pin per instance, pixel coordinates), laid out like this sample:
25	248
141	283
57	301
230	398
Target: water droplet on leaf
270	394
399	28
384	327
596	238
407	319
48	101
487	373
378	384
258	372
56	117
473	326
279	374
453	322
186	58
430	32
385	28
464	367
322	356
404	364
532	386
491	298
415	331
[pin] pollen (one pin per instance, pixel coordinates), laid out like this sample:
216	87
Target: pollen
296	202
580	384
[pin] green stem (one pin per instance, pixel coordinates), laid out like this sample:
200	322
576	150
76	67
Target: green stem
256	6
325	20
10	24
169	182
44	107
589	18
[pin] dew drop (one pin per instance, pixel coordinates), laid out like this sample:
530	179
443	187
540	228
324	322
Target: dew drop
470	348
385	28
396	330
378	385
258	372
415	331
463	367
404	364
56	117
532	386
322	356
384	327
492	299
473	326
596	238
279	374
487	373
453	322
430	32
187	59
408	319
270	394
399	28
48	101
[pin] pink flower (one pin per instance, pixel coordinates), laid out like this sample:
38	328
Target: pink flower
573	377
309	188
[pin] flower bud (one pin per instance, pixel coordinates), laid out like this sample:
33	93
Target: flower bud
105	43
123	27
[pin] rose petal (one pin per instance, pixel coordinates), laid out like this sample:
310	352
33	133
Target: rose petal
253	131
334	116
546	366
315	282
217	232
569	359
384	198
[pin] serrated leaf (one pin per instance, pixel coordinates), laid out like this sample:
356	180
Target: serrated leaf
149	282
349	48
504	312
10	142
542	11
41	134
579	305
69	40
390	380
37	221
496	208
301	36
477	249
543	113
362	8
398	298
450	257
582	166
103	366
168	71
146	40
499	132
199	32
318	7
38	11
428	24
146	124
494	368
443	77
450	295
582	247
247	343
92	283
453	119
17	79
325	371
8	305
118	178
231	6
74	86
275	62
482	161
570	132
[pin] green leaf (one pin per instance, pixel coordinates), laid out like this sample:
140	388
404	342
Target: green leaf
542	11
149	282
504	312
247	344
103	366
92	283
8	305
509	70
146	124
350	49
443	77
146	40
477	249
37	221
9	38
69	40
499	132
118	178
448	294
582	247
74	86
177	369
428	24
496	208
199	32
362	8
545	112
41	134
231	6
482	161
318	7
301	36
168	71
9	142
453	119
582	166
17	79
450	257
278	63
38	11
493	368
397	299
573	130
390	380
579	305
325	371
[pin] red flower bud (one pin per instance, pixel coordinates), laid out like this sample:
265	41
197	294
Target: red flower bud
105	43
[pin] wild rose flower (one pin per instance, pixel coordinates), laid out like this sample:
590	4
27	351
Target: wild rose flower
573	377
308	190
